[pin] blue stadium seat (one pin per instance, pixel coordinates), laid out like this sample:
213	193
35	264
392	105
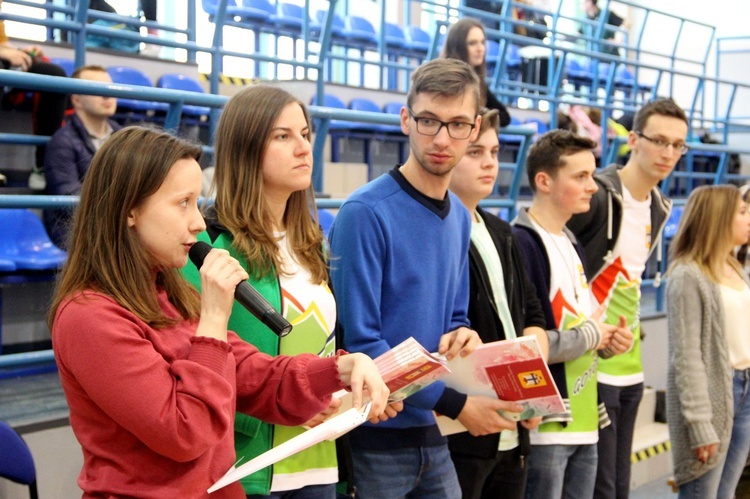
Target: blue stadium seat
396	47
392	108
255	11
289	18
578	73
337	25
394	133
360	31
362	104
182	82
625	81
16	461
139	109
541	126
249	11
67	64
7	265
492	54
325	219
670	229
25	242
395	37
418	39
334	102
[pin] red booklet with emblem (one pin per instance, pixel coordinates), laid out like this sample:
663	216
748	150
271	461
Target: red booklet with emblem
512	369
408	367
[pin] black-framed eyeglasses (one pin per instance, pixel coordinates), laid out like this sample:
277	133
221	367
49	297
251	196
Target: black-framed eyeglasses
680	147
430	126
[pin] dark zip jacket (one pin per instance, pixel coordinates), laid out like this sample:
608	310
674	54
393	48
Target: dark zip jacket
525	311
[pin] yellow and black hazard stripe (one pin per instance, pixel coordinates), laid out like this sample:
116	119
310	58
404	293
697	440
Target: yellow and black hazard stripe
648	452
231	80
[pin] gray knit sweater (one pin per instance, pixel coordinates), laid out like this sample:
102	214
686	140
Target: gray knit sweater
699	381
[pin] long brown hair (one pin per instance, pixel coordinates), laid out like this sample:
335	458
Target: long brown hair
455	43
240	146
104	254
705	233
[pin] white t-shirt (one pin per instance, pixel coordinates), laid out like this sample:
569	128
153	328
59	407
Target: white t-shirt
482	240
634	242
736	317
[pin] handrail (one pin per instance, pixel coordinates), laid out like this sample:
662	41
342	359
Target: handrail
77	25
178	98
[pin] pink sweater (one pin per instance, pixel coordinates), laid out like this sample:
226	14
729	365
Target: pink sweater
153	409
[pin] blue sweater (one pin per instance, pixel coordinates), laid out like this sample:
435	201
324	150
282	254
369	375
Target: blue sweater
399	268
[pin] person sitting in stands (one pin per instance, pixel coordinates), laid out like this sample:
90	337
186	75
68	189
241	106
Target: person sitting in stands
465	41
48	108
71	148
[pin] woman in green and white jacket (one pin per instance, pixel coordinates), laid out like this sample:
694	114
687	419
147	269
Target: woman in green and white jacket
263	217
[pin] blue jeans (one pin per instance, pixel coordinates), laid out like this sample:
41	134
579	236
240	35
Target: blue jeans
554	468
616	440
424	472
327	491
739	445
704	487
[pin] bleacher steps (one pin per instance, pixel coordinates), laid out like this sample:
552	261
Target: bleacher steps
651	458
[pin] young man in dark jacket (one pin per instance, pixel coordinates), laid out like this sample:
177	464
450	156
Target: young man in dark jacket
71	148
619	233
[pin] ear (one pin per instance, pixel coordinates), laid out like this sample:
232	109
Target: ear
543	182
131	218
475	133
632	138
74	100
405	120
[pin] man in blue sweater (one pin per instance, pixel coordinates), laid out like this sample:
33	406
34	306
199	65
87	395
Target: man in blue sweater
399	268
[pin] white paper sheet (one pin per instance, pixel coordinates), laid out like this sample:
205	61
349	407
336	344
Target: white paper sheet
329	430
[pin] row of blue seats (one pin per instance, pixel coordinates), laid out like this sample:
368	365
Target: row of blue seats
285	18
584	72
25	245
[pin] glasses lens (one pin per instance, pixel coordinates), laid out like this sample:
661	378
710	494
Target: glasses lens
427	127
459	130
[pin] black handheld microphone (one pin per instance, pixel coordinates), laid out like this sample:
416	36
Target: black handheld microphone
247	295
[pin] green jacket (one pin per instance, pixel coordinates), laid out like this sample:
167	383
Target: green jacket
252	437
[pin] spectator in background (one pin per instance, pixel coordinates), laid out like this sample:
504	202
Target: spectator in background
70	150
488	6
708	308
534	23
466	42
586	122
593	13
48	108
148	7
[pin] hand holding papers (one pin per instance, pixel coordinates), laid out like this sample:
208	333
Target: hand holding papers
330	430
405	369
509	370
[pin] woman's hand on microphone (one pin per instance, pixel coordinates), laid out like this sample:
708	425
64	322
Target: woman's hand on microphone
360	373
220	274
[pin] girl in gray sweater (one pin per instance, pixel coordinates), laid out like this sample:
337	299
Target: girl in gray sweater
708	305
